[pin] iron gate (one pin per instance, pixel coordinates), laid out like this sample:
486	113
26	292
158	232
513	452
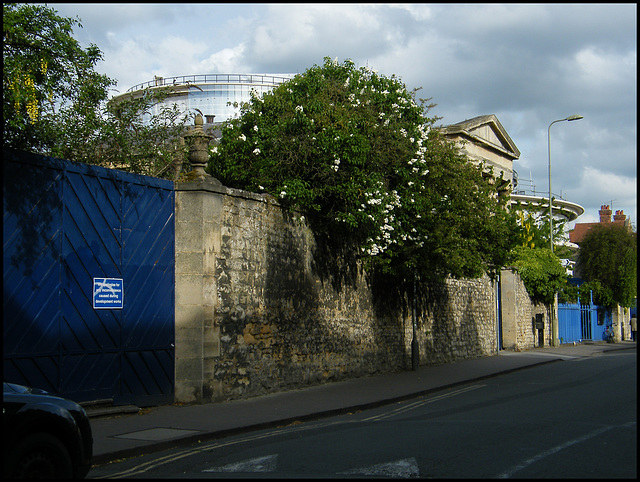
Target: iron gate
66	225
581	321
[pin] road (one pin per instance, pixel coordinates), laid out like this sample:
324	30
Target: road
575	418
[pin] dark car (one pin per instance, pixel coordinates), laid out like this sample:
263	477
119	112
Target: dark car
44	436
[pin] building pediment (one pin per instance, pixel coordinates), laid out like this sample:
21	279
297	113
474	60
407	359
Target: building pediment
485	131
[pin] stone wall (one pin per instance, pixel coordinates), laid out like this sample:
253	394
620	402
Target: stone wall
281	326
253	315
519	331
458	320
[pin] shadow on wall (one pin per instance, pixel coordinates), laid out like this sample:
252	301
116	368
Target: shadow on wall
450	316
297	327
447	317
33	204
334	260
32	210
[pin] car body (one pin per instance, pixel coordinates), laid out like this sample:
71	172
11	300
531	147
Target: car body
44	436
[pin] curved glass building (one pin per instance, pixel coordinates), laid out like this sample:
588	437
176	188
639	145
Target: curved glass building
210	93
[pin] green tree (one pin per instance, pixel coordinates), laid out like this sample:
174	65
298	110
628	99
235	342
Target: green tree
55	103
42	66
541	271
117	135
607	259
356	154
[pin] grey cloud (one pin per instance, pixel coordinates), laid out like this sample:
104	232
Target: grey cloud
527	63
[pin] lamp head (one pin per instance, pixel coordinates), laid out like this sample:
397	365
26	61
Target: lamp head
574	117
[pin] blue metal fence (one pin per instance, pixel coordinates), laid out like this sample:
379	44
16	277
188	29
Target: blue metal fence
65	225
578	322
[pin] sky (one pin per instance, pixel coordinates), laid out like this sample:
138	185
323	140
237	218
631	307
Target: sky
529	64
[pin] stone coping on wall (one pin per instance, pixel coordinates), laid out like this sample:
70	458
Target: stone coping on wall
211	184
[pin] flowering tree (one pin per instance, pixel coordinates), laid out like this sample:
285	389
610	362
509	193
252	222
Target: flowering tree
355	154
42	64
55	103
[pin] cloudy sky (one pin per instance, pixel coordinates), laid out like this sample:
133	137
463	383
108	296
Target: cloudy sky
528	64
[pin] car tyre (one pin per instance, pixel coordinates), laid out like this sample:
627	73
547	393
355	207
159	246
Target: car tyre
39	455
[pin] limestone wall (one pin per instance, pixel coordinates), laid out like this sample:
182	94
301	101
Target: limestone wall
280	325
519	331
253	315
459	320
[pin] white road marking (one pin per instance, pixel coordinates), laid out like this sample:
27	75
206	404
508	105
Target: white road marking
267	463
404	469
163	460
560	447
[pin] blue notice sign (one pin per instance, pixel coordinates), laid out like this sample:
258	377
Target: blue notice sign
108	293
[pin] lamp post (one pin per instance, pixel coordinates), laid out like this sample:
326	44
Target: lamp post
570	118
554	326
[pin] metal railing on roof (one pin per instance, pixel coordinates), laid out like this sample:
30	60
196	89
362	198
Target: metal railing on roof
528	188
261	79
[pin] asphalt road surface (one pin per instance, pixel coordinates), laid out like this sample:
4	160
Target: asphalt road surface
572	419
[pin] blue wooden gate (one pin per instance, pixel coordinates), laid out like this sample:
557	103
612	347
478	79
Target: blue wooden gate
65	225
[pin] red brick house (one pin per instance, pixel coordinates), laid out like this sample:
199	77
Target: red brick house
579	231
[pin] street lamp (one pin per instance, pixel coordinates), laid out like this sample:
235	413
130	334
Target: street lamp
554	326
570	118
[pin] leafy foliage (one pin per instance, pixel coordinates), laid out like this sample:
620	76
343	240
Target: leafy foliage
117	135
42	64
534	225
541	271
55	103
608	260
356	155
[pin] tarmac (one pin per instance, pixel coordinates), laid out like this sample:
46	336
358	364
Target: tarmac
167	426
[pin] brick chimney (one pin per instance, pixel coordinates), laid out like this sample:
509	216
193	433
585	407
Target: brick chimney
605	214
619	217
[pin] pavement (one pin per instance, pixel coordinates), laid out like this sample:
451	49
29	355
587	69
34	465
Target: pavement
163	427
